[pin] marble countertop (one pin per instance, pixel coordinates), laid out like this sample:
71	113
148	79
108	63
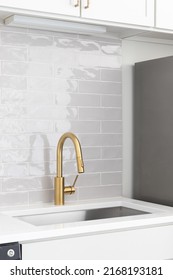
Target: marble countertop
13	229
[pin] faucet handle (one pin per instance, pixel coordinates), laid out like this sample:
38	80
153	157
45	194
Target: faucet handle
71	189
75	181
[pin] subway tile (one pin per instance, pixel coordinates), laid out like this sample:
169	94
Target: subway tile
13	53
39	98
40	83
10	95
89	180
52	112
91	153
27	183
102	61
69	167
113	75
43	140
100	114
65	58
37	197
13	198
12	111
111	101
99	87
27	69
63	126
111	165
87	100
63	99
84	180
15	155
15	170
39	126
110	49
25	39
77	126
14	82
89	46
97	140
111	178
40	54
42	40
40	69
42	155
111	152
18	141
81	73
100	192
42	169
28	155
66	43
64	86
12	126
14	68
84	45
68	153
111	126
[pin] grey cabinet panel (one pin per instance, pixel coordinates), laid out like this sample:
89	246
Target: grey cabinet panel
153	131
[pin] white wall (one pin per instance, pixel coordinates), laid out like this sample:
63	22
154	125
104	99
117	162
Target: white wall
135	51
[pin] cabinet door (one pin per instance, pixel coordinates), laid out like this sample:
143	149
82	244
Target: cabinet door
66	7
140	12
164	18
137	244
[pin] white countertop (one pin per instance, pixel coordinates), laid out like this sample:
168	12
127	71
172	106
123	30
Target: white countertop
12	229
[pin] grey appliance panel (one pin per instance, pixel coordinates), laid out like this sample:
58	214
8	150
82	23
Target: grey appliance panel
153	131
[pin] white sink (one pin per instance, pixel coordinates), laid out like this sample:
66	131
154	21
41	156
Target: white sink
79	215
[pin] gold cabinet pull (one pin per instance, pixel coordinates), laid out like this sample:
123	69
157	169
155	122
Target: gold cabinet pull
87	5
77	3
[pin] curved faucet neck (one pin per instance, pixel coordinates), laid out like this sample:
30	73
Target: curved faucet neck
78	151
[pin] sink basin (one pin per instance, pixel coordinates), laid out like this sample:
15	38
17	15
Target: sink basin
79	215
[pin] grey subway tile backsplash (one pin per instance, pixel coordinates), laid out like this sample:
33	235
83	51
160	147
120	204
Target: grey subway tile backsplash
103	165
37	197
111	126
111	75
100	192
111	178
13	53
27	69
14	198
99	87
30	183
51	83
112	152
100	114
25	39
111	101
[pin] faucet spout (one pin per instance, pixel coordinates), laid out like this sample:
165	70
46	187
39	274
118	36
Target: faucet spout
60	189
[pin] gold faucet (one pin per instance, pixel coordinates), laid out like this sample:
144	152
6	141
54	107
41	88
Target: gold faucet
60	188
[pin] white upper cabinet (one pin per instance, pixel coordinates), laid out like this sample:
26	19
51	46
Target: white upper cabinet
138	12
164	14
63	7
